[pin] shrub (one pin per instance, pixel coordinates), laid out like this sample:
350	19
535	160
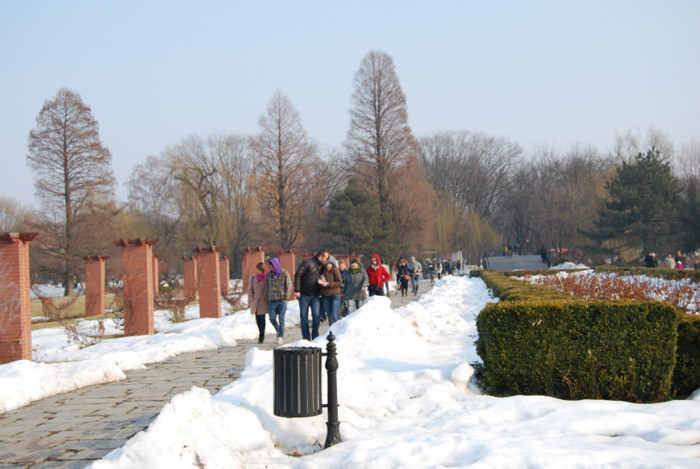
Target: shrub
508	289
579	349
686	374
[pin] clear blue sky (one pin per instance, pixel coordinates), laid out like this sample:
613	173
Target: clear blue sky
538	72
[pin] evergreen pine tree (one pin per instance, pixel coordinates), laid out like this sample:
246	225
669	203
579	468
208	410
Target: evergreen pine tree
642	205
355	222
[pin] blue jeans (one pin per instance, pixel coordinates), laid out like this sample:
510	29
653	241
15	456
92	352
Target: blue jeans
354	305
331	306
277	310
304	302
414	283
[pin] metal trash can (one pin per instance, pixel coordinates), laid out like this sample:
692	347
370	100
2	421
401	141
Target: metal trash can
297	381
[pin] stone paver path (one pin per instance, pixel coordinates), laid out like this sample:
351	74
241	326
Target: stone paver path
72	430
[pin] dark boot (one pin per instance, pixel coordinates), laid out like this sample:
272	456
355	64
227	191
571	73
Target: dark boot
261	338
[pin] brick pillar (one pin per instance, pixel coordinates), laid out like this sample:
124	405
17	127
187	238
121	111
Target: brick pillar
191	271
287	259
250	260
95	285
209	281
15	303
137	271
225	272
156	275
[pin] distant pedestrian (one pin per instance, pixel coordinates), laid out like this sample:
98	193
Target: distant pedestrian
670	262
377	275
403	274
650	260
680	257
354	288
278	288
416	271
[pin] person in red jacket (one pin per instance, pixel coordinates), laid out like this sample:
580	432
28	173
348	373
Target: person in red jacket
377	275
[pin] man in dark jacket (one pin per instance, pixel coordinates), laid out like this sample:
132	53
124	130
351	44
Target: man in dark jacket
308	291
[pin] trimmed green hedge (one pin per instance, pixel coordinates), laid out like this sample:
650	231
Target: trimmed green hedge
579	349
686	374
508	289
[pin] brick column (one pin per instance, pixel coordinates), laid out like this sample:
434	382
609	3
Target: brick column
15	303
251	259
209	281
191	277
287	259
95	285
137	271
156	275
225	272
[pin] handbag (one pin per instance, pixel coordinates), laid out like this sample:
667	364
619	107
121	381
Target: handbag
407	277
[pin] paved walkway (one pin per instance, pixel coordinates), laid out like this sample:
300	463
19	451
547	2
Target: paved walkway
74	429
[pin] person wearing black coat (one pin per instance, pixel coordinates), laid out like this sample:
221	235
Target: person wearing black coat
307	289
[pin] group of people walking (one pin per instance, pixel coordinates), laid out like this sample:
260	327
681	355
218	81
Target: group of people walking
322	285
671	262
408	272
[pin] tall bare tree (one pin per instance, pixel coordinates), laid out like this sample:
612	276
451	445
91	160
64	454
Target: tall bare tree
283	155
379	139
194	193
74	181
472	175
471	169
556	197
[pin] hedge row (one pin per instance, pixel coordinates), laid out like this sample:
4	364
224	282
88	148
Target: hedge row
579	349
589	349
686	374
507	289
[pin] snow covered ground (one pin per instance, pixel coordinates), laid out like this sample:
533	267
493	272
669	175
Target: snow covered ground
406	400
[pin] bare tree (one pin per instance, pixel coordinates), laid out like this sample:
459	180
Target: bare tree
687	164
632	143
195	192
472	170
329	175
153	211
379	139
12	215
556	197
73	179
283	157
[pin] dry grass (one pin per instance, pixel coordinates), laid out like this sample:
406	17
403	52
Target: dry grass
71	308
